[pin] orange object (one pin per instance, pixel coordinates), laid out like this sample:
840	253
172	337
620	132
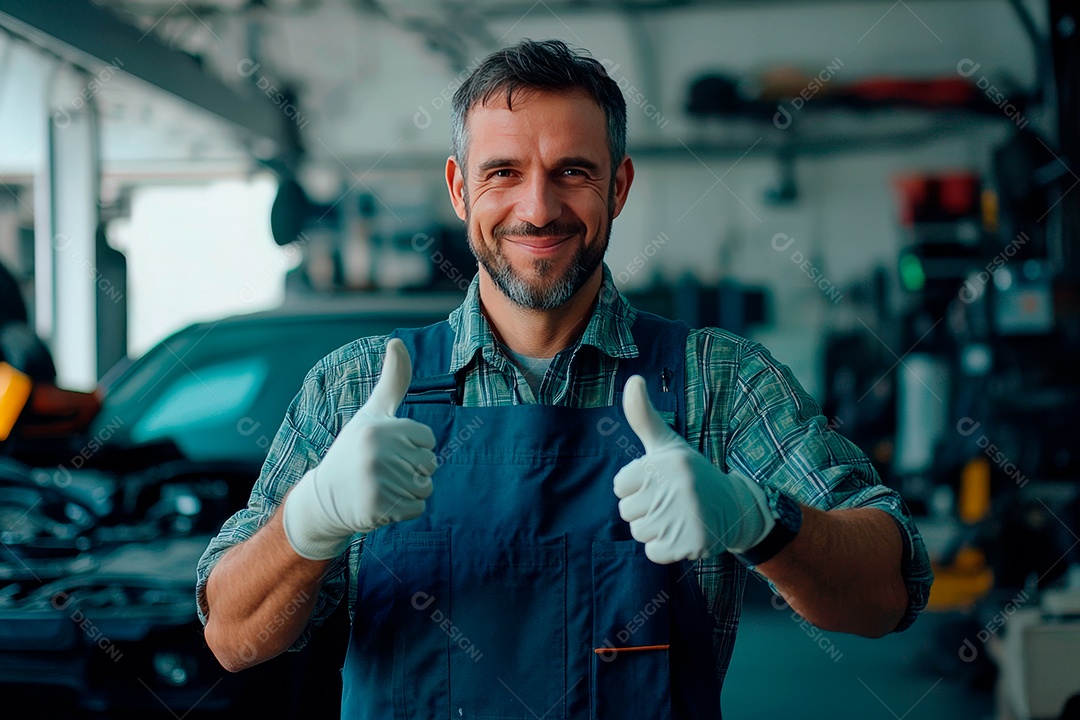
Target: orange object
14	392
958	587
636	648
974	501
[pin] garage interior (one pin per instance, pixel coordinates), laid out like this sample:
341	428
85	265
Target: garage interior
204	197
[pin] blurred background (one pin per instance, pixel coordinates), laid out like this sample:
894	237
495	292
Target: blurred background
201	198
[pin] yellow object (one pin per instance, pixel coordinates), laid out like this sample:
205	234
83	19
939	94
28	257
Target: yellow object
960	585
963	583
974	501
14	392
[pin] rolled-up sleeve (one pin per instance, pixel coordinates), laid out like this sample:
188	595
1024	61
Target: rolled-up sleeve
299	444
777	435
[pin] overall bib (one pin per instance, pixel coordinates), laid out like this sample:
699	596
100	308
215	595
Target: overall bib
520	594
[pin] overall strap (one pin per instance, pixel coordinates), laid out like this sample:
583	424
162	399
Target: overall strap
661	358
661	361
430	348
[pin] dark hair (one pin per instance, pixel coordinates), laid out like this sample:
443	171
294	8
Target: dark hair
540	65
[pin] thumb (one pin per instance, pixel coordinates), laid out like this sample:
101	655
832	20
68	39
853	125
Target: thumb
393	382
644	420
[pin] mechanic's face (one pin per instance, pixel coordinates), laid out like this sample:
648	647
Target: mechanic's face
537	195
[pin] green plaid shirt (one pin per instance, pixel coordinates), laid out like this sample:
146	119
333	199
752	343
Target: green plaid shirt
745	411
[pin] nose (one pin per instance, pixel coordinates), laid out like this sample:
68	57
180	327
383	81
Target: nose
539	202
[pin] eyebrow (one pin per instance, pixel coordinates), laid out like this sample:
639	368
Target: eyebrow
579	161
570	161
495	163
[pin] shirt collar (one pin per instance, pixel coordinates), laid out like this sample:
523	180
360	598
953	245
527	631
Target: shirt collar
608	329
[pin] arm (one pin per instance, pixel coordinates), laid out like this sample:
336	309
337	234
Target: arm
842	571
263	594
259	588
248	574
858	564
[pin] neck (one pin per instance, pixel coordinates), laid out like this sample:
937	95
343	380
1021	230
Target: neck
538	333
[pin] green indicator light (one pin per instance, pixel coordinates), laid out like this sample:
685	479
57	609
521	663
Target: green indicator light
911	273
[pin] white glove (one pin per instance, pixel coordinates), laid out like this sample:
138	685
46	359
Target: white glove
677	502
377	471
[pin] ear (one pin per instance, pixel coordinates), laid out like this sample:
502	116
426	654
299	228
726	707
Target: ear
624	177
455	184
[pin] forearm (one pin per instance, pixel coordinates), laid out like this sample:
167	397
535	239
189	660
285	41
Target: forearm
842	571
260	596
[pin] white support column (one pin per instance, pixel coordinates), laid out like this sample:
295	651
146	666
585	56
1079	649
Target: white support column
43	249
73	188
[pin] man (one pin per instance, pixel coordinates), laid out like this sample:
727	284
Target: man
555	508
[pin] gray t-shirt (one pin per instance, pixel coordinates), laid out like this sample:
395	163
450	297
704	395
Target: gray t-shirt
532	368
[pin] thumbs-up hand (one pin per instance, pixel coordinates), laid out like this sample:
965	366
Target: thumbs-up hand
377	471
677	502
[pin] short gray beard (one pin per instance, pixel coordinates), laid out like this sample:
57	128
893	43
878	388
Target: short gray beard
551	295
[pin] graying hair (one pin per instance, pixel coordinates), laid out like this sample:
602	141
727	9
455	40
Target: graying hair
539	65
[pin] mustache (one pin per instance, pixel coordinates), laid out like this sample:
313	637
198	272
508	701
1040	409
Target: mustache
529	230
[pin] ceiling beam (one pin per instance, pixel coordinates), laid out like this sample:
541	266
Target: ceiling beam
517	9
87	36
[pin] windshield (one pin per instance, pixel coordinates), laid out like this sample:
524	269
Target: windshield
220	391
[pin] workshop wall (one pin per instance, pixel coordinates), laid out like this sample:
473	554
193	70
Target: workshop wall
383	95
378	94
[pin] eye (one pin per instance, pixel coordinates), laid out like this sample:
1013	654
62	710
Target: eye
501	173
575	172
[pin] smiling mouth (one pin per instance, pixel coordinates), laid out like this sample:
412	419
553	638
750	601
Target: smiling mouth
539	243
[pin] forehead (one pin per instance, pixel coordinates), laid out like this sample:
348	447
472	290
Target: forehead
559	123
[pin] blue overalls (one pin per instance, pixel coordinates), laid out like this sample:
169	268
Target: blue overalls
519	593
